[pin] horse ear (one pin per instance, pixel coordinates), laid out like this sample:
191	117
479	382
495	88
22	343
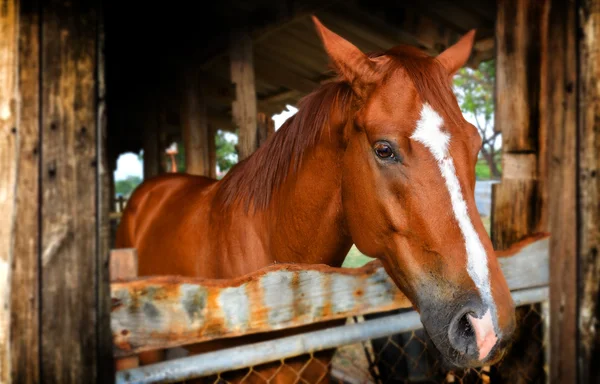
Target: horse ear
456	56
352	64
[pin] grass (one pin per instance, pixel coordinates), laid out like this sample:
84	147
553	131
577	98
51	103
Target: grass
355	259
482	171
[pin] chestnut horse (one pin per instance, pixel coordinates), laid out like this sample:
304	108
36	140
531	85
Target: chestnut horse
381	158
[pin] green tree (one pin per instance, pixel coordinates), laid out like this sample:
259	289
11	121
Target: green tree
226	154
126	186
475	92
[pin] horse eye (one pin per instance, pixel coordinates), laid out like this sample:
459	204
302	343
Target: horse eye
384	151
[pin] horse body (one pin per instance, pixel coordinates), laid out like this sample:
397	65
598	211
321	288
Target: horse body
381	158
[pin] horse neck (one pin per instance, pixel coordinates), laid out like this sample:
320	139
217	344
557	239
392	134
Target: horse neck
306	217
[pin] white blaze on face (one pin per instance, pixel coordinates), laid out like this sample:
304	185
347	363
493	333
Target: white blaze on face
429	133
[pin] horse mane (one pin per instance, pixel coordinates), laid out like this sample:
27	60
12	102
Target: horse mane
253	180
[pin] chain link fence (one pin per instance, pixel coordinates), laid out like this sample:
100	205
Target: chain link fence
404	358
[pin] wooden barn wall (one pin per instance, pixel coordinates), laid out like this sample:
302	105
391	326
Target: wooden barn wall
9	158
548	111
589	192
52	194
25	314
562	186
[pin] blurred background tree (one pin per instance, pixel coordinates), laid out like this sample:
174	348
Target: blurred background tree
475	92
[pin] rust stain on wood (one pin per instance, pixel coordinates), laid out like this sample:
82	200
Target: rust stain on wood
168	311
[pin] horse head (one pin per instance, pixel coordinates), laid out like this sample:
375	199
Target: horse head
408	184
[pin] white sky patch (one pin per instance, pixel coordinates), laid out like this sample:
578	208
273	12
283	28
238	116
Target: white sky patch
429	133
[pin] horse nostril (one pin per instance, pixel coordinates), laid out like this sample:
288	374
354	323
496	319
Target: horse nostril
464	326
461	334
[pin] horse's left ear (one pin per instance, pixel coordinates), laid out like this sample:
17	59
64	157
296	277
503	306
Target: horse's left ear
349	61
456	56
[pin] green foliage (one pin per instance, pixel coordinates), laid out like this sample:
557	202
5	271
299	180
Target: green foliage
226	154
125	187
482	171
475	91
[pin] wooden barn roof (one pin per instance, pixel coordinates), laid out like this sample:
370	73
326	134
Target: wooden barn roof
147	50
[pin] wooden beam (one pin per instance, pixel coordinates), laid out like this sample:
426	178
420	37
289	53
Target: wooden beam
244	107
25	279
105	199
562	184
589	192
521	199
69	181
187	310
124	266
212	153
195	126
9	30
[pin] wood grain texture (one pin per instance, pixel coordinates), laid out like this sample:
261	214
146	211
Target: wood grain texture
519	206
105	196
169	311
69	191
8	171
25	281
195	126
589	193
244	106
562	184
519	202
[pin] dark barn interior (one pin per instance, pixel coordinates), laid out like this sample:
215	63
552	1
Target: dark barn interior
152	53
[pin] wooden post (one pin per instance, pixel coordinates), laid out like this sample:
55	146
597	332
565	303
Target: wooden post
266	127
195	126
589	192
69	216
25	285
105	199
212	153
562	185
519	201
244	106
9	29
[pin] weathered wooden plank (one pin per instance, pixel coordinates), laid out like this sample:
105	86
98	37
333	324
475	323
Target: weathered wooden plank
521	101
514	211
244	106
124	266
562	184
589	187
519	202
520	166
105	366
9	22
25	279
169	311
69	191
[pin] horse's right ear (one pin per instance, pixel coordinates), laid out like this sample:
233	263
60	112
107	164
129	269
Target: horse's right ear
352	64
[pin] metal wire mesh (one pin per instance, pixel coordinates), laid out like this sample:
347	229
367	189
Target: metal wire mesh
403	358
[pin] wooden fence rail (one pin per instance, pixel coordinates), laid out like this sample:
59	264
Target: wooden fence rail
169	311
